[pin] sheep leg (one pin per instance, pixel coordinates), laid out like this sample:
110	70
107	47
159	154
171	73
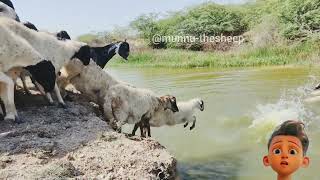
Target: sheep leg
23	79
135	128
142	132
48	95
60	100
7	96
193	123
120	112
118	120
148	129
42	92
108	113
186	124
145	125
2	110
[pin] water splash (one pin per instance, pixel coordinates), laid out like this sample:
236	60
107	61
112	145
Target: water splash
290	106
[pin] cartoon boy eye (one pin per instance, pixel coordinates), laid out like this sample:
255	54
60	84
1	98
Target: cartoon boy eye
293	152
277	151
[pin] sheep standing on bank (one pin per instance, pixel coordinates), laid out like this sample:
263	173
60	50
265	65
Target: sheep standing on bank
22	47
100	55
62	35
185	115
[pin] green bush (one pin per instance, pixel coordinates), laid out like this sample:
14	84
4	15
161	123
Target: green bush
209	19
300	18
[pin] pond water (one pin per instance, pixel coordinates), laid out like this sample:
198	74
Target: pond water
242	108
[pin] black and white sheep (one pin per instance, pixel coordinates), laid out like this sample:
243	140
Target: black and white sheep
62	35
23	47
185	115
100	55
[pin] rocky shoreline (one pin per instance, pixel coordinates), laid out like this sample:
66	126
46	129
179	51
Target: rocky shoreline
57	143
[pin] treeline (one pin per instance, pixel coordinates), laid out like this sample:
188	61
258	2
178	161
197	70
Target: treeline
293	19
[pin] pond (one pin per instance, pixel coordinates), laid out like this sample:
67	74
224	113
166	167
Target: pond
242	108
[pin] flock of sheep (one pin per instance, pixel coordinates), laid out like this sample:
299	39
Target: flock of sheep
53	61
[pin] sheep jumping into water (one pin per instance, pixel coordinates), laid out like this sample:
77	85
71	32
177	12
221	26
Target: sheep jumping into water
125	104
185	115
121	103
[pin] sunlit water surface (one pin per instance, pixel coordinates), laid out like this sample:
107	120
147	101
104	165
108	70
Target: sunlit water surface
242	108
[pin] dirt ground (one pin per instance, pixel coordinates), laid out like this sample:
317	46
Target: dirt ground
76	143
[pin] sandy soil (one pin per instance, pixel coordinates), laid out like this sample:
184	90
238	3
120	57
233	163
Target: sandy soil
57	143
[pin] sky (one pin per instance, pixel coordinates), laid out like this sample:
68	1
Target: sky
78	17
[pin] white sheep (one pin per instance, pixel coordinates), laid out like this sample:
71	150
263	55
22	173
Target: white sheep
21	47
185	115
127	104
121	102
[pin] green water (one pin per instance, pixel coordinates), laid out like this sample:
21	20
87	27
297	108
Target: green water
242	107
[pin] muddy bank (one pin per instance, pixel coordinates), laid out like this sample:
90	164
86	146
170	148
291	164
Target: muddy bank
55	143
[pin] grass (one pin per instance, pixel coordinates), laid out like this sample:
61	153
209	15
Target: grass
297	54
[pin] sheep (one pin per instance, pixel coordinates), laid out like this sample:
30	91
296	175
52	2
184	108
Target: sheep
7	10
62	35
127	104
100	55
121	103
185	115
91	81
22	47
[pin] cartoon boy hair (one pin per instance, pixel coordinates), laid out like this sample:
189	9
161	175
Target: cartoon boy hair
287	149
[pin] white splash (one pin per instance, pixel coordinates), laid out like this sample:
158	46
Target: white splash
289	107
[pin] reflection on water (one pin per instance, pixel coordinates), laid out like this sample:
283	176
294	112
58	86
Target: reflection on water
242	109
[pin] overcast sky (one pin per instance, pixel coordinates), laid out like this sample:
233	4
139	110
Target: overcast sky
79	17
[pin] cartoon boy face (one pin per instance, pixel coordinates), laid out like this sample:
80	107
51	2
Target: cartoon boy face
285	155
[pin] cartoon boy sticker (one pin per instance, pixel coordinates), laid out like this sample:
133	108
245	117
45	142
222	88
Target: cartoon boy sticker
287	148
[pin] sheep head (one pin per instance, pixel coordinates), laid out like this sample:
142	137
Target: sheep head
169	102
198	103
124	50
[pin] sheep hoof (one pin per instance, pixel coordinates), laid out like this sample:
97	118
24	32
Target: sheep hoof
118	130
192	127
61	105
10	117
185	125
